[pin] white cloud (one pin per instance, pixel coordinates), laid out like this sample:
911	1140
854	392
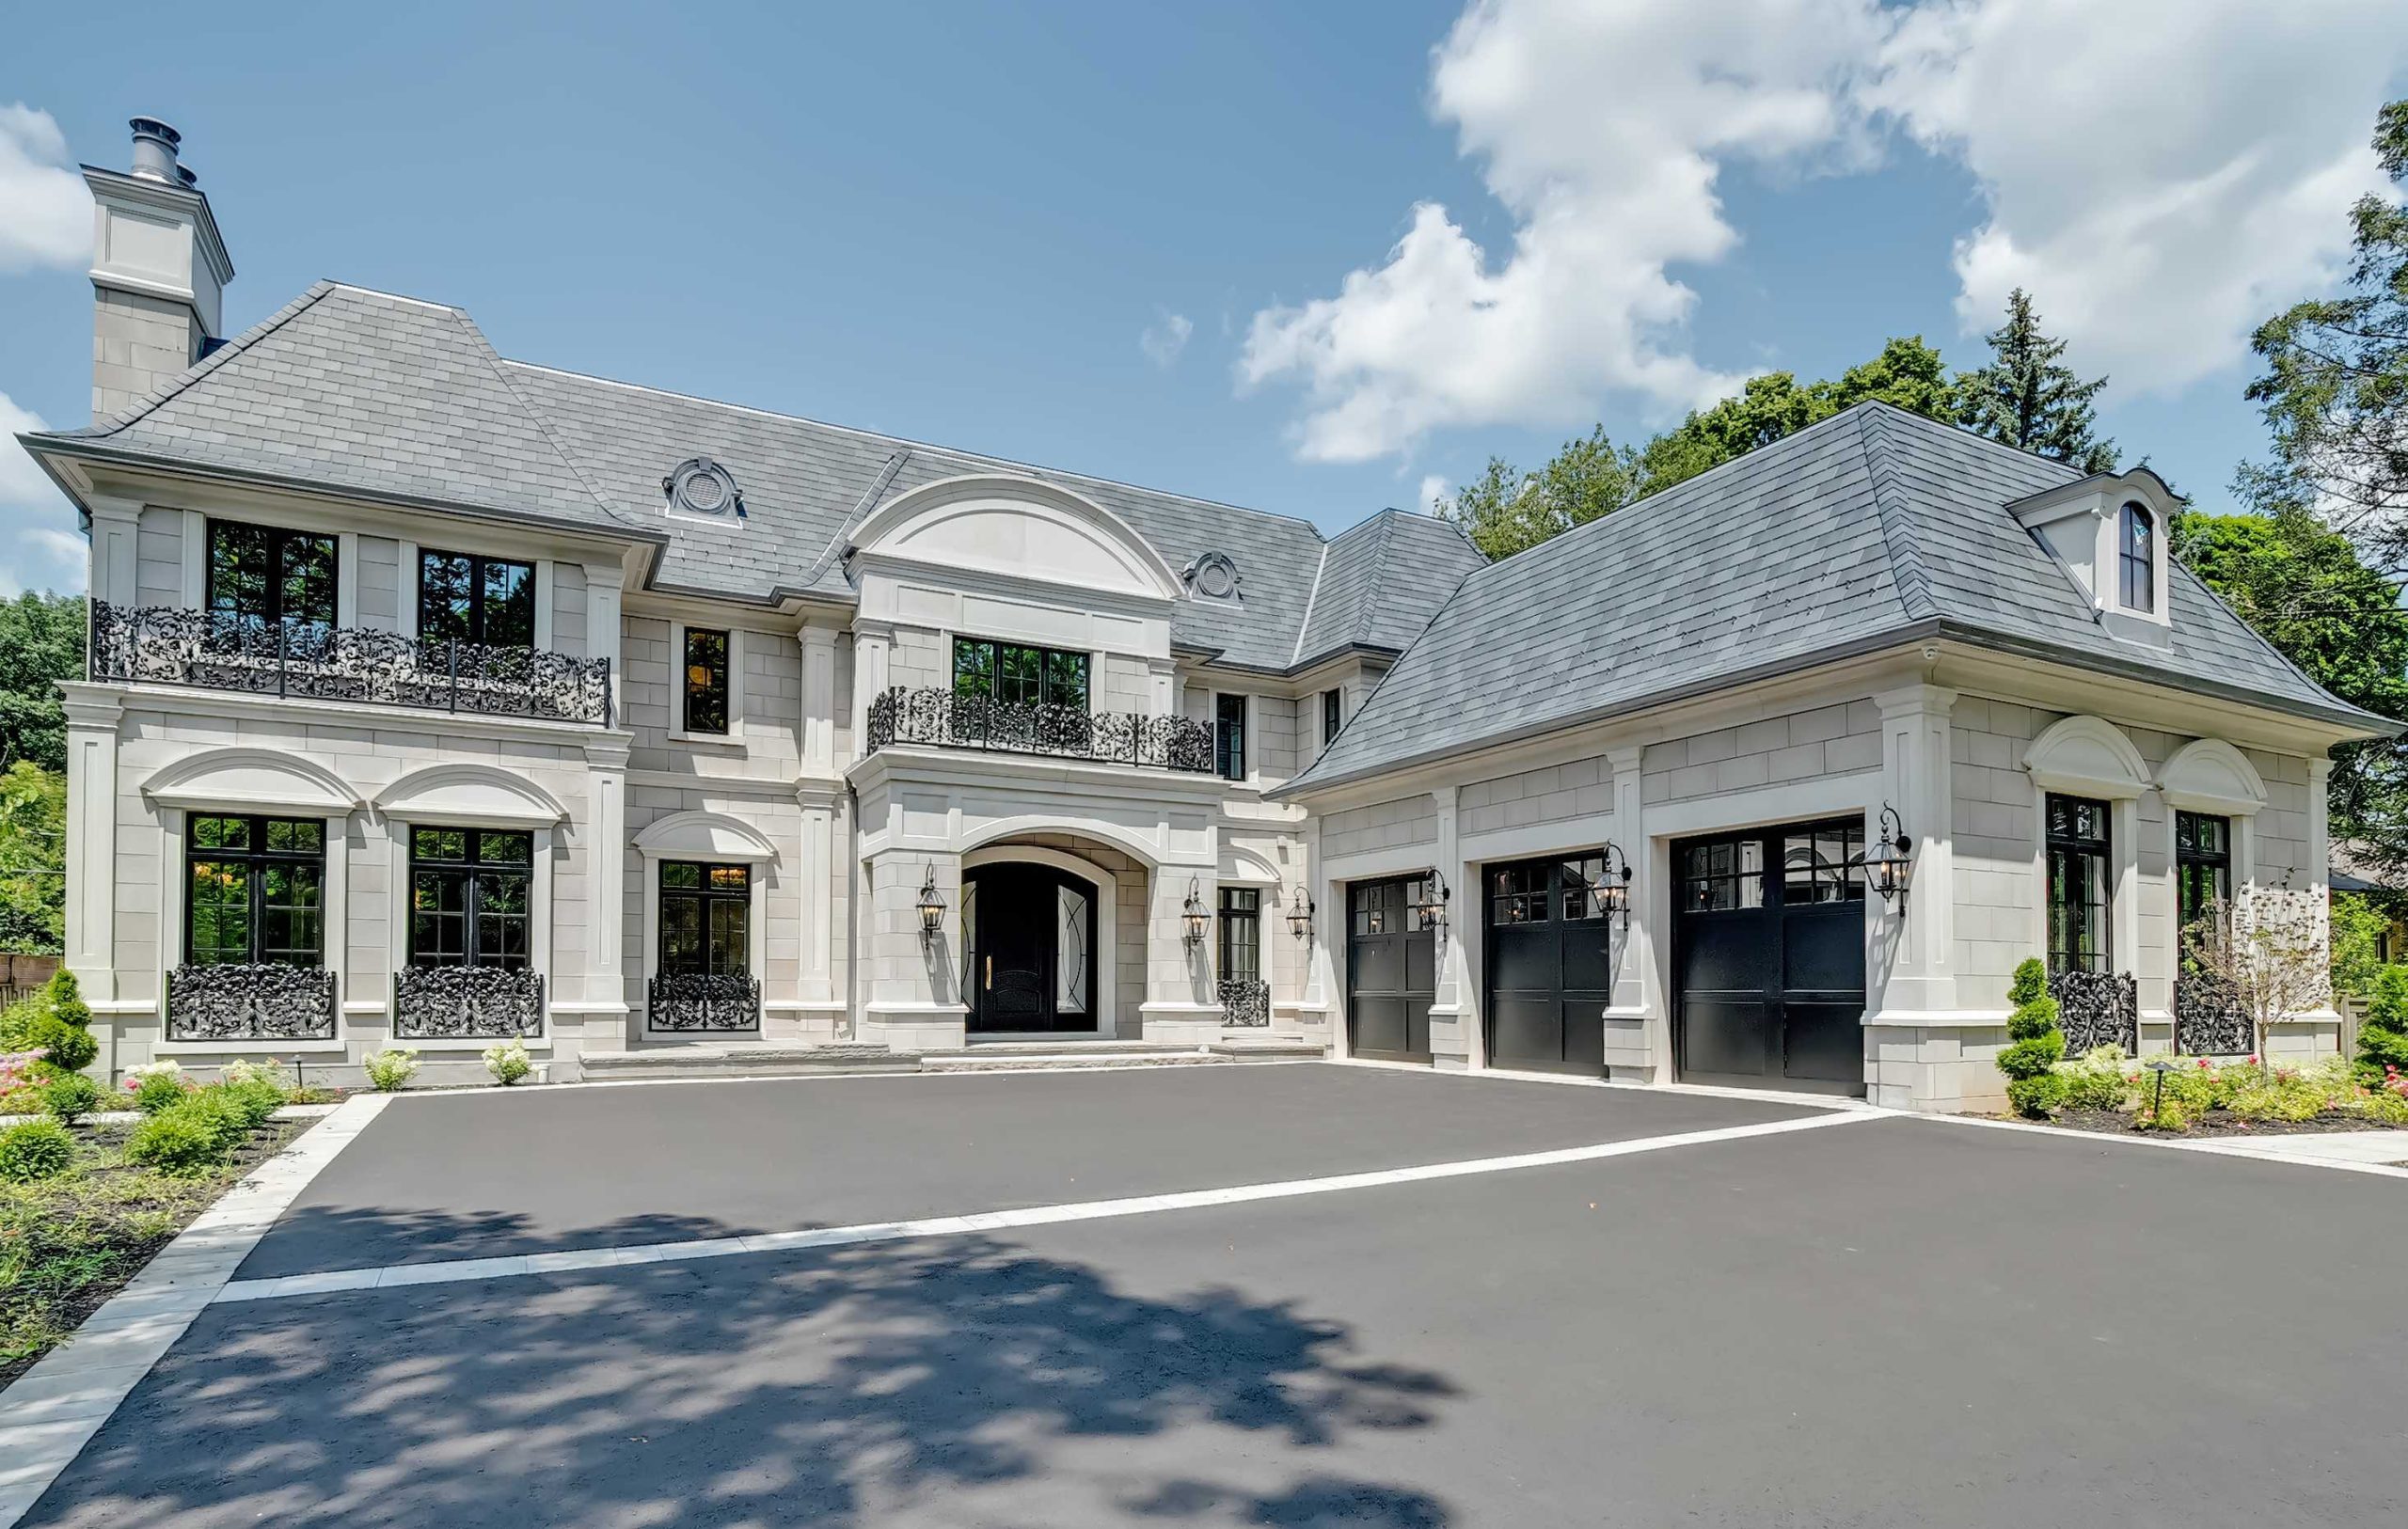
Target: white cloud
38	546
45	212
2162	174
1435	489
1164	339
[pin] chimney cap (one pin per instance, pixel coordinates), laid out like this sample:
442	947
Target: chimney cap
154	150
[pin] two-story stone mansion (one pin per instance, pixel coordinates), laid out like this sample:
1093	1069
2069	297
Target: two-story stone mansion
435	698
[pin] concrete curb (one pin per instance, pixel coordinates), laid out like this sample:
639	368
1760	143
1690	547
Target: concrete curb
54	1409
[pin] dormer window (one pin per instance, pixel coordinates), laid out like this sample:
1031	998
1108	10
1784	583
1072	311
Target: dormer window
2137	542
1213	576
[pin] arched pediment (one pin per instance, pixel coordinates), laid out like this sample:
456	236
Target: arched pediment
1018	527
704	836
1244	867
2089	756
479	796
223	780
2209	775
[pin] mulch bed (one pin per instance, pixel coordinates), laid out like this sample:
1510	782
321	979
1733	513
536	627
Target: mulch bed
2216	1123
140	1212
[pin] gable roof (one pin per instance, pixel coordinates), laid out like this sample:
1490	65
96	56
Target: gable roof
365	393
1855	533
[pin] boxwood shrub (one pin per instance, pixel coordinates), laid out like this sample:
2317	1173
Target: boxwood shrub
34	1149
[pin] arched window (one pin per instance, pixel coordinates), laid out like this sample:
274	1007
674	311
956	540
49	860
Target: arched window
2139	558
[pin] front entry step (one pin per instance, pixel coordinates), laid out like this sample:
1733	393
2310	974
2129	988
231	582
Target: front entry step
758	1059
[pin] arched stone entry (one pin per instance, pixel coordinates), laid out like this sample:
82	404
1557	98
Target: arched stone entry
1042	932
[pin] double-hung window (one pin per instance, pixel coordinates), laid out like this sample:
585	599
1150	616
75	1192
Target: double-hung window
705	673
1017	675
2079	862
255	891
705	919
1229	737
269	576
466	598
471	895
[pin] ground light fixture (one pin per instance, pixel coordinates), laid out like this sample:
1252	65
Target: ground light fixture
1889	860
1300	915
1195	916
931	907
1431	909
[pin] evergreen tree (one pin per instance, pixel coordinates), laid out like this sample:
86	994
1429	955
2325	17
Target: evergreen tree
2028	399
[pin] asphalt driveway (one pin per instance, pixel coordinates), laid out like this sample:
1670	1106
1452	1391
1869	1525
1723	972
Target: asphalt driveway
1884	1321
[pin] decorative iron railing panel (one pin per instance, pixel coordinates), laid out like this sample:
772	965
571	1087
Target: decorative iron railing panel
215	650
264	1002
2098	1008
464	1002
693	1000
2209	1018
948	721
1244	1003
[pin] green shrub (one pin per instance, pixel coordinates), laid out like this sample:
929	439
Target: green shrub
2035	1045
509	1062
155	1090
69	1096
34	1149
2096	1080
185	1138
2382	1032
391	1069
59	1024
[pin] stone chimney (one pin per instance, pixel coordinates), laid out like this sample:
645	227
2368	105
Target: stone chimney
159	270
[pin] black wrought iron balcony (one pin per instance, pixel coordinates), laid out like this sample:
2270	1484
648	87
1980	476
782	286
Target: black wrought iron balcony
216	651
948	721
2098	1008
243	1003
1244	1003
463	1002
697	1001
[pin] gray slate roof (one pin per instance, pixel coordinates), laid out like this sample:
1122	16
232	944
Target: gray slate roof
366	393
1852	534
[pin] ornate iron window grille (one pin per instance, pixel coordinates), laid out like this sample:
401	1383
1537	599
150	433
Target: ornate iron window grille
218	651
2098	1008
466	1002
2209	1018
268	1001
1244	1003
945	719
697	1001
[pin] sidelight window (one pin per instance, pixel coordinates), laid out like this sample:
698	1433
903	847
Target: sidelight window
255	891
2078	850
471	892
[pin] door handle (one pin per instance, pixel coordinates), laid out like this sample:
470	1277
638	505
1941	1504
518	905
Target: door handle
990	973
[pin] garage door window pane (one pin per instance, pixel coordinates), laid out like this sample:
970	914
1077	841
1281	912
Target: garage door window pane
1820	864
1725	874
1584	881
1517	894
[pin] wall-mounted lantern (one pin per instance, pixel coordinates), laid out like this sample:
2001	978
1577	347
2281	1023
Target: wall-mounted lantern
1613	889
1198	920
931	907
1889	860
1300	915
1431	909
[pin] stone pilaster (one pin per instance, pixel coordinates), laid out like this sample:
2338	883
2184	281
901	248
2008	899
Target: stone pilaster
92	718
1638	1039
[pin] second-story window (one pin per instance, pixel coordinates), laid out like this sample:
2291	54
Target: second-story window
486	600
268	574
1229	737
1332	705
1019	675
706	680
2138	558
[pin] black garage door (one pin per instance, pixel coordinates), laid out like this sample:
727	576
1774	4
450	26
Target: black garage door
1391	971
1549	962
1769	957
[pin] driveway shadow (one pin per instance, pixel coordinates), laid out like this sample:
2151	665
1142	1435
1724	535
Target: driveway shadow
958	1381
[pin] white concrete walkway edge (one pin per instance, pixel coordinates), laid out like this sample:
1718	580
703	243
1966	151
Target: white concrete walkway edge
457	1270
56	1408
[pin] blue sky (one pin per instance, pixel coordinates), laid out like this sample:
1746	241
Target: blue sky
991	225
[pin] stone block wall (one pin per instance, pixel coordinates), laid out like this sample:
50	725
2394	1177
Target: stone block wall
1802	746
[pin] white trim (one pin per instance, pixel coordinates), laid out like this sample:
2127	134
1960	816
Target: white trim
2087	756
406	582
2209	775
470	795
196	558
1106	895
541	574
346	578
1150	576
699	835
250	780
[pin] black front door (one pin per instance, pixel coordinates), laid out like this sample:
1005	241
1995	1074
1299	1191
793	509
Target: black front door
1391	971
1550	963
1769	957
1030	950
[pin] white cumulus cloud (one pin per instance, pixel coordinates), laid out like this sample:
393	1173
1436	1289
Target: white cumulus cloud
1164	339
45	212
38	546
2162	174
1435	490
